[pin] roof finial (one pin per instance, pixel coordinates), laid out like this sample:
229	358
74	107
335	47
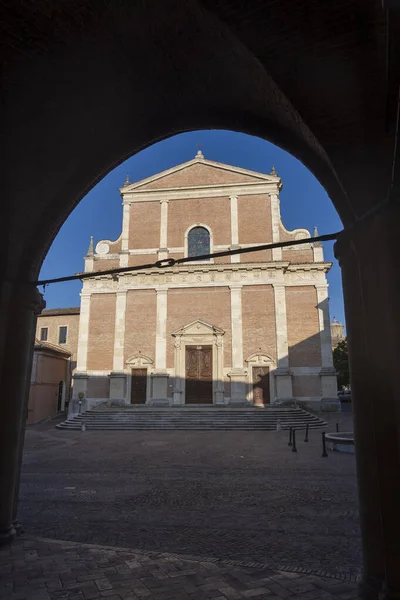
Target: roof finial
273	172
199	152
90	251
316	234
127	182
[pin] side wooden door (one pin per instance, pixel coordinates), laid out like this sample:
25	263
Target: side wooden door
261	386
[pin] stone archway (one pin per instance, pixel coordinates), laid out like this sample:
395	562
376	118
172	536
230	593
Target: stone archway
199	333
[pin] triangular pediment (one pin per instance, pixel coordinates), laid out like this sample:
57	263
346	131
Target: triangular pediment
198	327
196	173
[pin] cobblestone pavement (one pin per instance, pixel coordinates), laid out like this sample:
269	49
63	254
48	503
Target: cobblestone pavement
49	570
242	496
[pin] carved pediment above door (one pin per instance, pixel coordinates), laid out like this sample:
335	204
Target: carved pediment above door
198	328
139	360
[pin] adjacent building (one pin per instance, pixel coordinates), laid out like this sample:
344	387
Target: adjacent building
337	333
50	382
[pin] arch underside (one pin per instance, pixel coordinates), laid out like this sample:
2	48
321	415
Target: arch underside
106	85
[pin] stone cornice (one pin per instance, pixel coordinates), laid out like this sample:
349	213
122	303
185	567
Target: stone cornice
201	191
211	275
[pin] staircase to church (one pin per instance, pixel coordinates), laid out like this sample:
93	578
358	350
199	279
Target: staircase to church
194	418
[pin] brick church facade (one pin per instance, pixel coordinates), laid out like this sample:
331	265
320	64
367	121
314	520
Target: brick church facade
251	328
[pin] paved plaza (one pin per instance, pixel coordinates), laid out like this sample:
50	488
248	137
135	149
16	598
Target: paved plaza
184	514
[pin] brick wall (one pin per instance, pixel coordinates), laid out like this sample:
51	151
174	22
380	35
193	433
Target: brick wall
255	225
140	323
305	255
213	212
144	225
141	259
101	332
212	305
199	174
303	326
53	323
104	264
258	310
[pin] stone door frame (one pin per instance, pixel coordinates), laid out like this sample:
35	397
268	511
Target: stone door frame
260	359
139	361
199	333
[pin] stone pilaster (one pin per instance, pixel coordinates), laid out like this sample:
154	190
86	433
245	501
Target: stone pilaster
237	374
330	401
119	335
22	303
124	254
124	259
118	377
276	219
160	375
283	377
163	250
235	258
318	252
125	226
83	339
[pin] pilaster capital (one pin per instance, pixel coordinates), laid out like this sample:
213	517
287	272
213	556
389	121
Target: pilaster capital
164	201
235	286
26	295
323	287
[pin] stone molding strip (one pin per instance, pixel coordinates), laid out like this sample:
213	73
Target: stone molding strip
170	262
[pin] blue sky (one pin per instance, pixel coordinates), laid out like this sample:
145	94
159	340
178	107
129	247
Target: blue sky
304	203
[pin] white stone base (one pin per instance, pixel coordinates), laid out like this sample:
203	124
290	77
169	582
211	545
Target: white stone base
287	402
238	387
117	387
330	405
159	387
160	402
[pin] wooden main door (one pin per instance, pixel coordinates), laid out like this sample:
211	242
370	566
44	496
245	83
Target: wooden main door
138	386
198	386
261	386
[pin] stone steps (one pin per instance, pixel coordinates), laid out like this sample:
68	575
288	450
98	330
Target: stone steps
192	418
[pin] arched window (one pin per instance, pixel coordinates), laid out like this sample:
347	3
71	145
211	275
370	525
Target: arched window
198	241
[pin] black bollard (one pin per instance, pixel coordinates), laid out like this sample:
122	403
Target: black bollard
290	437
294	449
324	452
306	438
337	427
